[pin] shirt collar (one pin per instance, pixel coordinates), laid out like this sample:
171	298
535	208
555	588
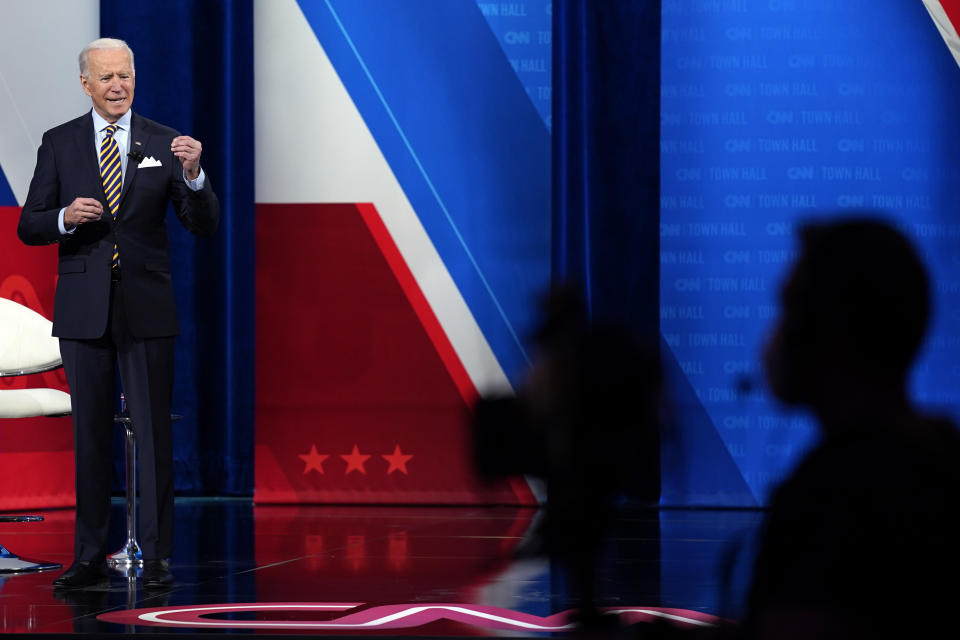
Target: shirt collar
99	124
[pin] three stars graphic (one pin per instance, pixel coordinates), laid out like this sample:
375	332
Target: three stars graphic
355	460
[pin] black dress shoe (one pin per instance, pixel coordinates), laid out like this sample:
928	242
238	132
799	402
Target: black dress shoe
156	574
82	575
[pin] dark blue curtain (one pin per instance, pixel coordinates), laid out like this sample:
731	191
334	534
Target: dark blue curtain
606	174
194	72
606	150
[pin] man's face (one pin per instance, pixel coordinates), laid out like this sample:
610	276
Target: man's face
109	83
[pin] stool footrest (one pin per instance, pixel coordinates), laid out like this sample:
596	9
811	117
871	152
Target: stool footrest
11	518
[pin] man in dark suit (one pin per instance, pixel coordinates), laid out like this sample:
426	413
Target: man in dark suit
100	189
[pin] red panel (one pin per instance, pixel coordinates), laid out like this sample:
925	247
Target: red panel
36	454
360	397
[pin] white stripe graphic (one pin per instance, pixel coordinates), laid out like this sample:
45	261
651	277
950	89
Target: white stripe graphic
944	26
39	78
313	146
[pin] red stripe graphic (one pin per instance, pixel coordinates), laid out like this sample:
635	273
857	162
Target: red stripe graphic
946	15
419	302
431	324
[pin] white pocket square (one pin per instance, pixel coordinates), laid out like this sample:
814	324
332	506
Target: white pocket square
149	161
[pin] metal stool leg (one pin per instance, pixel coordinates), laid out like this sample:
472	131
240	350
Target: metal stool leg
12	563
130	555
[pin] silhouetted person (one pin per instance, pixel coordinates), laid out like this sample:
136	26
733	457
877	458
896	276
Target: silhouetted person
863	539
586	421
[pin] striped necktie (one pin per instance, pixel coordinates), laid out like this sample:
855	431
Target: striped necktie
112	177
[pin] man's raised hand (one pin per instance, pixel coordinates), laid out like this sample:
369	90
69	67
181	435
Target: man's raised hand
188	151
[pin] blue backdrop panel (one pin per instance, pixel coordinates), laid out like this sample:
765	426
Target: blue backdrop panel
525	33
7	198
774	113
465	142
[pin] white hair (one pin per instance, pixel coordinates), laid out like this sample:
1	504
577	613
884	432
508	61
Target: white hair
103	43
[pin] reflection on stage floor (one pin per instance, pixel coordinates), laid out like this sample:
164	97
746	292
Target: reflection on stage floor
452	571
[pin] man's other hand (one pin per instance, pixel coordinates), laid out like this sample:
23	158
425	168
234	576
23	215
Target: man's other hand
82	210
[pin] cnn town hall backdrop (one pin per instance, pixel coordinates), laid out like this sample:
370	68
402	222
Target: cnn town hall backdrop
402	225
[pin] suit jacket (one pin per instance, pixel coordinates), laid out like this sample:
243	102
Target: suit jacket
68	168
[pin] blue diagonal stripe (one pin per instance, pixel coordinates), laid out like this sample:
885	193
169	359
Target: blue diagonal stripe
465	143
433	189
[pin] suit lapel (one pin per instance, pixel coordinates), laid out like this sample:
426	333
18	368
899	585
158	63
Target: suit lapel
87	152
138	142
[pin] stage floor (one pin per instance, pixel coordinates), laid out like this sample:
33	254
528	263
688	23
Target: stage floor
450	571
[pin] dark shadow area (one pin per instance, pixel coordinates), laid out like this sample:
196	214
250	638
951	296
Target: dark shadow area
860	537
585	421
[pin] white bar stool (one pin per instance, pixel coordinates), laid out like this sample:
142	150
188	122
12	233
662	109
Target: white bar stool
27	346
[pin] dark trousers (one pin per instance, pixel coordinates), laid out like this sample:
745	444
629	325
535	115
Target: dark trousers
146	372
